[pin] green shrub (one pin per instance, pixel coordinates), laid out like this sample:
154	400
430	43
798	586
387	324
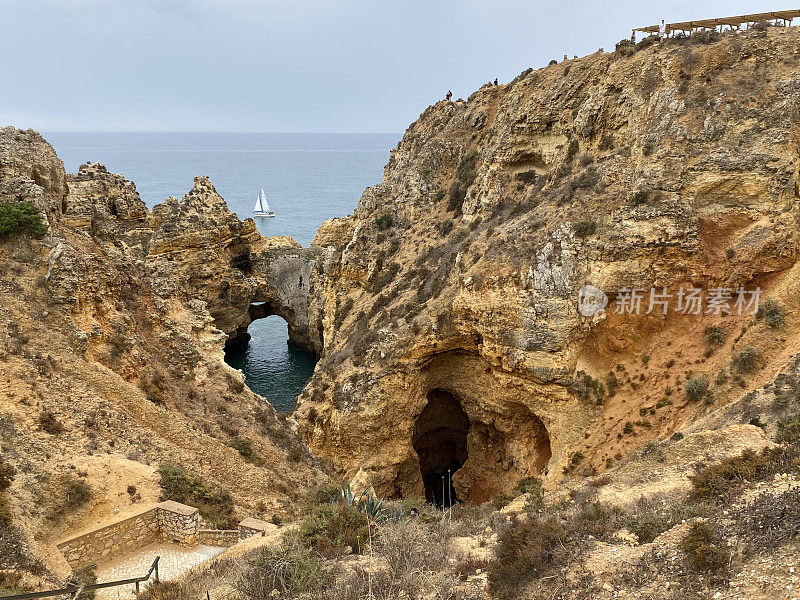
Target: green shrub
788	430
524	552
527	176
704	549
747	360
771	313
456	197
465	172
7	474
584	229
332	526
640	197
501	500
49	423
651	519
719	480
291	569
76	493
20	218
715	335
586	179
697	388
85	575
385	221
215	504
572	150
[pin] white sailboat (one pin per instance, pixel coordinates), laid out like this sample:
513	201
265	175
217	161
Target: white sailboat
262	206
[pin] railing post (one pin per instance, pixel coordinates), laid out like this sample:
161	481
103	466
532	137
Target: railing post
157	559
137	589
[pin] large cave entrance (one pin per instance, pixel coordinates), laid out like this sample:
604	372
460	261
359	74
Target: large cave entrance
273	366
440	441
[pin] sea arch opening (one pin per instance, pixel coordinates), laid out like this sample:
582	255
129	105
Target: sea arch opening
273	365
440	440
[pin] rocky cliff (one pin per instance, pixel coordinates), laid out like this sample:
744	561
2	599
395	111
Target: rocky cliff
112	329
452	335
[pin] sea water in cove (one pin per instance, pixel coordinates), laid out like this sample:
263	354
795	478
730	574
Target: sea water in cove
307	178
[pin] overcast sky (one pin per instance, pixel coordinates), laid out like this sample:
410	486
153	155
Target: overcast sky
288	65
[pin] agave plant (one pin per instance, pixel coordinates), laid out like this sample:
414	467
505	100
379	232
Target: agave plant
366	502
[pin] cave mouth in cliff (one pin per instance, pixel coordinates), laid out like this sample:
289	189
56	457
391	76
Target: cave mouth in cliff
440	441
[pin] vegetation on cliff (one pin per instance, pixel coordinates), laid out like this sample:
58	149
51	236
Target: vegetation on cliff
20	218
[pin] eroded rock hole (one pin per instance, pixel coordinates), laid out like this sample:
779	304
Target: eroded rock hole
272	365
440	441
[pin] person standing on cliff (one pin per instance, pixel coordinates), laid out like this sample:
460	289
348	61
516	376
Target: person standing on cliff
448	95
662	31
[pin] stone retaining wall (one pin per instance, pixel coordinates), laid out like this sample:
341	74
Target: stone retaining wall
107	542
178	523
218	537
168	521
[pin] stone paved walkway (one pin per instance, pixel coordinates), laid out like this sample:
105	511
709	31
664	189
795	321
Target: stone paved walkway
174	561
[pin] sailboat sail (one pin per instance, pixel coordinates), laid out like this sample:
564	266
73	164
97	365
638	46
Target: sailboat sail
262	206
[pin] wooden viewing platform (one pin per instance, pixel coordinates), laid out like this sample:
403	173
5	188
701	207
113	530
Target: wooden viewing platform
732	22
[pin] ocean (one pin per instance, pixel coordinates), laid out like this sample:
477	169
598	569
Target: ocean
307	178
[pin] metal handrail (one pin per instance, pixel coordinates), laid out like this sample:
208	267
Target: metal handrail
72	589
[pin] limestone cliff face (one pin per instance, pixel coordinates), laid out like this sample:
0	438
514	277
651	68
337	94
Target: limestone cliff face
114	323
452	338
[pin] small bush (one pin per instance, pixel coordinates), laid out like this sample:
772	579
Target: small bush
771	313
49	423
703	548
245	447
330	527
524	552
291	569
788	431
640	197
19	218
215	504
747	360
76	493
719	480
527	176
385	221
572	150
651	518
456	197
584	229
715	335
587	179
86	575
7	474
697	388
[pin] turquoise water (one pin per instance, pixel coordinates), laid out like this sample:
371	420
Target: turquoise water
308	178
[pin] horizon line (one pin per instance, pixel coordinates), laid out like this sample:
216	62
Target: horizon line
226	132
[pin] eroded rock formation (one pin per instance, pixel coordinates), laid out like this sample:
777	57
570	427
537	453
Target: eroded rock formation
112	329
459	273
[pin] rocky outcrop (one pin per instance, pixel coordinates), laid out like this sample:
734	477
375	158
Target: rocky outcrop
31	171
112	331
97	197
458	275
